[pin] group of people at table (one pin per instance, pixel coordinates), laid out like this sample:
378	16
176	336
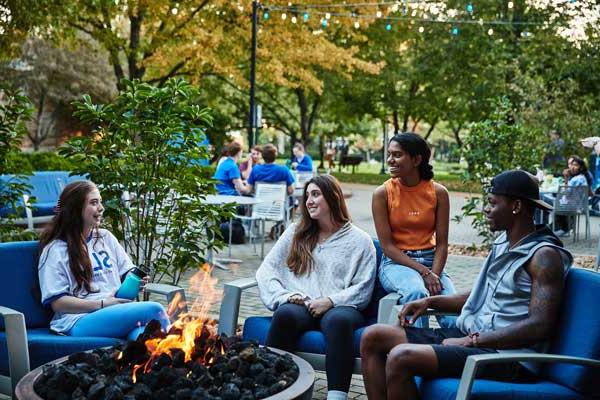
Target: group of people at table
234	179
321	272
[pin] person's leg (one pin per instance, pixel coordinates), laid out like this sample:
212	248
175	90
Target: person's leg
338	325
447	289
404	362
289	322
376	342
120	320
405	281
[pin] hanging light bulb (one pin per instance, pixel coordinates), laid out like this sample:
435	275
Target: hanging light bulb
470	8
284	16
421	29
306	16
327	15
356	24
455	31
379	14
294	19
490	31
324	23
511	4
266	15
388	27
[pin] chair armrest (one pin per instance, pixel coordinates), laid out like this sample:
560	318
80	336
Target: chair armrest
16	343
474	362
386	304
171	293
230	306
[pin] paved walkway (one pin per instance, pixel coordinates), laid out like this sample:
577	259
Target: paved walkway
462	269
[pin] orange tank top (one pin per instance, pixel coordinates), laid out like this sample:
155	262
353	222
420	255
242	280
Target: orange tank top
411	214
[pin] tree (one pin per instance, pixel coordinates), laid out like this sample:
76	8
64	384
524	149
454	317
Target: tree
54	77
145	158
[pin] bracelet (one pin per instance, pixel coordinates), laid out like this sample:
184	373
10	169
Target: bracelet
101	303
474	339
425	274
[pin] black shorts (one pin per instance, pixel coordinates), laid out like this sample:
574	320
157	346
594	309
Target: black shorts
452	359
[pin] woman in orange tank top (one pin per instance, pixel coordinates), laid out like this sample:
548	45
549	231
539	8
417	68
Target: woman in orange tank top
411	213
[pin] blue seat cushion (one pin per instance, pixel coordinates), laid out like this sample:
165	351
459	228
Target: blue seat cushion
45	346
256	328
446	389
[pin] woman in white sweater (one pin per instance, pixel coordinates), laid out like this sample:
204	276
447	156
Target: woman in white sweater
319	276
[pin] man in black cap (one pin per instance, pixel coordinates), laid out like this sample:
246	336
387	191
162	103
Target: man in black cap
513	306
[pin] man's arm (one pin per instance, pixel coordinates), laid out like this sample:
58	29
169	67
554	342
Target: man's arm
546	270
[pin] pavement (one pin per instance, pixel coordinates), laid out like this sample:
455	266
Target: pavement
462	269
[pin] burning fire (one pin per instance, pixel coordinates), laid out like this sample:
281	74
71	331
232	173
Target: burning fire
193	332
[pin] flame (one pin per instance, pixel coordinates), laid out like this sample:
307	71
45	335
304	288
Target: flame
194	329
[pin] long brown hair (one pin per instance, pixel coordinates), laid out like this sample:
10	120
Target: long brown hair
67	225
305	239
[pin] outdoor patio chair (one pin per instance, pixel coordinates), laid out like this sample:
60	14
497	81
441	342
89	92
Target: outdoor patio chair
572	201
25	338
46	187
311	345
570	369
273	207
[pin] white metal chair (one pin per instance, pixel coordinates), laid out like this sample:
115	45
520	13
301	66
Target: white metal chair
272	207
572	201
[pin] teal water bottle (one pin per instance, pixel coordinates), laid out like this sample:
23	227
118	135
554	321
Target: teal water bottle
131	285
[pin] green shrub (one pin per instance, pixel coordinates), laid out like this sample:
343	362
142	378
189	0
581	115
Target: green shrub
147	146
15	110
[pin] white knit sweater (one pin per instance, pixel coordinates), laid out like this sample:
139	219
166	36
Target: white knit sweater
343	270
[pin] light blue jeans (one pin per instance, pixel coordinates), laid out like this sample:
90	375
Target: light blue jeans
126	320
409	284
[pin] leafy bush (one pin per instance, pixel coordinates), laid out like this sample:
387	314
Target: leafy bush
15	110
144	159
492	146
42	161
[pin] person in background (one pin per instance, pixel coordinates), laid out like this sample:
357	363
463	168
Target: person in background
228	173
411	213
223	156
270	172
252	161
575	175
301	161
319	276
81	267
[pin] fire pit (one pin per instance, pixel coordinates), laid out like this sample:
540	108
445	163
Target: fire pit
240	370
189	362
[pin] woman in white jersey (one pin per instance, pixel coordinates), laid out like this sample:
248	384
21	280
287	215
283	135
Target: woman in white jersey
82	266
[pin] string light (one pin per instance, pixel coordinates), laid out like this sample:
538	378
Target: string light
455	31
510	4
470	8
294	19
284	16
266	15
324	23
490	31
356	25
388	27
306	16
379	14
421	29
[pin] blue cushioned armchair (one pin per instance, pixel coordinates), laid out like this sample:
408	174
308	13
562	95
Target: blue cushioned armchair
311	346
571	368
25	338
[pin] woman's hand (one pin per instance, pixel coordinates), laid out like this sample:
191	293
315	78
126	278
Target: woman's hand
463	341
320	306
414	309
111	300
296	299
432	283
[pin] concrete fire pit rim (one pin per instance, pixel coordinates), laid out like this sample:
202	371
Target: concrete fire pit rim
304	383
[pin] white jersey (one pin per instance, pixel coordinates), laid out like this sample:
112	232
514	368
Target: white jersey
109	263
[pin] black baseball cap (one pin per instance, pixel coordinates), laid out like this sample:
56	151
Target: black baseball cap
518	184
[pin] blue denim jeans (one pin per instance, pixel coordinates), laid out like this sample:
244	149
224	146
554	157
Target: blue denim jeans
125	320
409	284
